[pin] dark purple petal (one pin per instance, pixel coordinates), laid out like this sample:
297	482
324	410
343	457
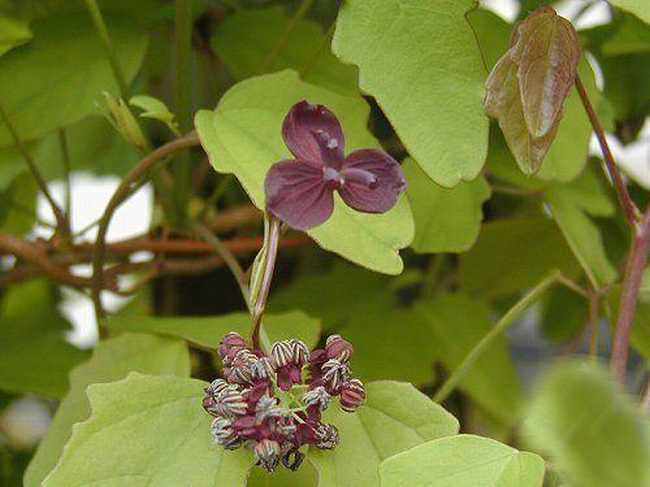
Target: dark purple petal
373	181
297	194
313	133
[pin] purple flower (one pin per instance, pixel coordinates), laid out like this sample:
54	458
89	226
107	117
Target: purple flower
300	191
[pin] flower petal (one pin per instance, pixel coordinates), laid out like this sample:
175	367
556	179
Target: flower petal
313	133
373	181
297	194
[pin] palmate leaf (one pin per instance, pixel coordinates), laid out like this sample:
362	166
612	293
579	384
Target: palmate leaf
463	461
419	59
63	71
589	429
152	430
243	136
112	360
446	219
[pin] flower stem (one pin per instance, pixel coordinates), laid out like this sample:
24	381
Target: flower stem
484	344
634	268
102	31
267	276
632	213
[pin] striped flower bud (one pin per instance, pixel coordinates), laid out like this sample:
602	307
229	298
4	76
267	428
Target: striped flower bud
327	436
229	346
262	369
353	395
317	397
223	433
335	373
241	371
338	348
267	407
285	426
267	454
299	352
281	354
228	402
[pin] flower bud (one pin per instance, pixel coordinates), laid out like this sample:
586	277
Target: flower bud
267	454
281	354
223	433
262	369
316	360
335	373
229	346
327	436
353	395
338	348
299	352
317	397
241	371
227	403
267	407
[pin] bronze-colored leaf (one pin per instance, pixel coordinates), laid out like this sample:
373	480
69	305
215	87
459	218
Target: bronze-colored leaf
546	50
503	102
527	87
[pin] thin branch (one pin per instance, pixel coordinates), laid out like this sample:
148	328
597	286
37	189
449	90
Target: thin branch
594	325
484	344
40	181
65	157
631	284
102	31
228	257
631	211
121	193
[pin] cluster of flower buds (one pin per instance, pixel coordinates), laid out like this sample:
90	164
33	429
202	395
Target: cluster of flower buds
255	404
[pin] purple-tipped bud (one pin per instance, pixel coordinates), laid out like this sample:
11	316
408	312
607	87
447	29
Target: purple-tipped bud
327	436
299	352
241	371
317	398
335	374
223	433
338	348
262	369
229	346
267	407
227	402
316	360
352	395
281	354
267	454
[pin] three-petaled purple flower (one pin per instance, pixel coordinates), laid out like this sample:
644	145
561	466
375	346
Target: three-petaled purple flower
300	191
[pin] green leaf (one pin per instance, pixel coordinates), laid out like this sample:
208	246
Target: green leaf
396	417
246	38
13	33
492	382
305	476
63	72
243	136
570	204
34	355
589	429
147	430
463	461
564	314
493	34
156	110
112	360
639	8
420	60
514	254
18	205
446	220
208	331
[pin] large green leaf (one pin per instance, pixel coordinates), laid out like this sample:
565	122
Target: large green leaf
245	39
208	331
420	60
112	360
458	323
147	430
34	355
13	32
514	254
463	461
446	219
243	136
589	429
63	71
396	417
640	8
18	205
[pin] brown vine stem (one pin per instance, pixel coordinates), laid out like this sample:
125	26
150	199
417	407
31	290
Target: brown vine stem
632	213
638	255
122	192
